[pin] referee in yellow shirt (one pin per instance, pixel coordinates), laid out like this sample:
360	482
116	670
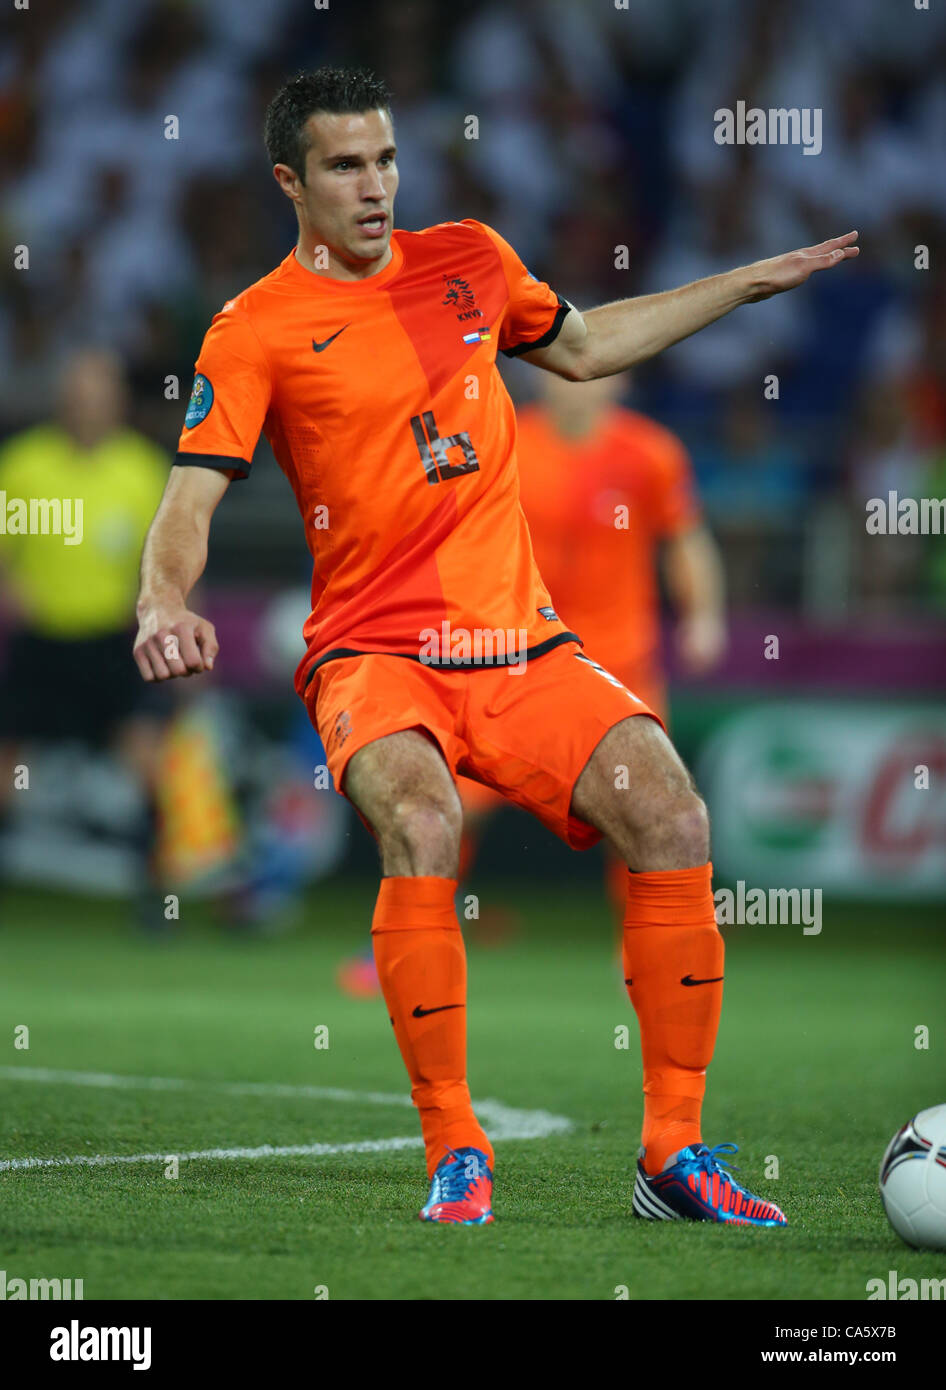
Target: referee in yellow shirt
76	497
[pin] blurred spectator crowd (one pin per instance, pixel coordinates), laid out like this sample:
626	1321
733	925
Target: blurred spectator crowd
595	132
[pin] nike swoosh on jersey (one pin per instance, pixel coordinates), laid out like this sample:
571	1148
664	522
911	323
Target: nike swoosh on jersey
320	347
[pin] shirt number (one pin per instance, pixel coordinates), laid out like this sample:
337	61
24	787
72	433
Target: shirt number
433	449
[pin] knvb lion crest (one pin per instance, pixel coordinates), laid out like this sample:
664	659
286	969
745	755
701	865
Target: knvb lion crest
460	296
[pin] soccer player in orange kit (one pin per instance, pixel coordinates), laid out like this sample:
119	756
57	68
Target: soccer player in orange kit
368	357
608	494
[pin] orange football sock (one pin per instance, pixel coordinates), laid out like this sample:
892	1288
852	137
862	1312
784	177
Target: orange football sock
421	960
673	969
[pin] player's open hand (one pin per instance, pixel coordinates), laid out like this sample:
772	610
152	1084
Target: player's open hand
787	272
174	644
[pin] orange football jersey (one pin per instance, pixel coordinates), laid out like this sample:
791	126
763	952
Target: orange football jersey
597	508
384	408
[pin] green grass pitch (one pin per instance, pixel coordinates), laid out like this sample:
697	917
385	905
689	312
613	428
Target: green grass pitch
816	1065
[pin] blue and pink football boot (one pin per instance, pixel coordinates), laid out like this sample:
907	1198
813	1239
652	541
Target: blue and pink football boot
696	1186
461	1190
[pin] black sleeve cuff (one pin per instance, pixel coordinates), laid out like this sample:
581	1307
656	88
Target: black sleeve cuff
549	336
241	469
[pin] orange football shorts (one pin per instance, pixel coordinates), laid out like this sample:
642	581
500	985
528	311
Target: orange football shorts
642	678
526	732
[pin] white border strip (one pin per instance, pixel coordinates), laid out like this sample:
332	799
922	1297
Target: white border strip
180	1083
503	1121
263	1151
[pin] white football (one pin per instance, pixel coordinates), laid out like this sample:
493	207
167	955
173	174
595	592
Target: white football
913	1180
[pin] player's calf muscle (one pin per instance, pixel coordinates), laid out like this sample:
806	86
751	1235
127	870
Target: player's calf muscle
636	790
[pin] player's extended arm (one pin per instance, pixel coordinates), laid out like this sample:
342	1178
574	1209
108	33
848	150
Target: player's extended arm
171	640
616	336
694	575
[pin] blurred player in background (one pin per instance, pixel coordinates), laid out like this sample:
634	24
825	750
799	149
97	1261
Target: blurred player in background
68	588
609	494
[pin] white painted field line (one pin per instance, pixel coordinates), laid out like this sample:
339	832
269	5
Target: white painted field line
262	1151
503	1121
182	1083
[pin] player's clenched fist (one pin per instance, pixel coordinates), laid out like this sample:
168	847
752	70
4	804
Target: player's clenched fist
174	644
173	641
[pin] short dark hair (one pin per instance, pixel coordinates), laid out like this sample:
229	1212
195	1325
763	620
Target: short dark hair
335	90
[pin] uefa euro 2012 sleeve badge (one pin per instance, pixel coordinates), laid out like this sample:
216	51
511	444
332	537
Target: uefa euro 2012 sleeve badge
202	398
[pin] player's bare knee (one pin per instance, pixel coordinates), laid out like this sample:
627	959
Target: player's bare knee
421	836
671	833
688	828
678	835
